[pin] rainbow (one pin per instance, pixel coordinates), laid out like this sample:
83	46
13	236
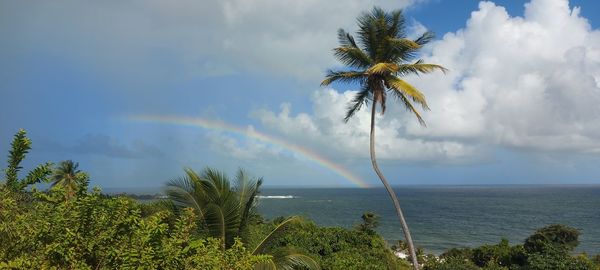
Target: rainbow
253	134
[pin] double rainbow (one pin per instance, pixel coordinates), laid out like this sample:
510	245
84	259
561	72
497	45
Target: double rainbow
253	134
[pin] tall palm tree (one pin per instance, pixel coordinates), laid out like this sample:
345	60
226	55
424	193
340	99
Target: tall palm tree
224	212
382	55
69	177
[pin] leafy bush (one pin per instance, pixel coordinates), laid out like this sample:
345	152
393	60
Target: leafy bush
547	248
94	231
339	248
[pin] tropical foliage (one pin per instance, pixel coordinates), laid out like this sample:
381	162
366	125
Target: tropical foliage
93	231
20	146
68	175
377	62
339	248
226	211
56	229
548	248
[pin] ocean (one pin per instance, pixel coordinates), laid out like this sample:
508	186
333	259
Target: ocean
444	217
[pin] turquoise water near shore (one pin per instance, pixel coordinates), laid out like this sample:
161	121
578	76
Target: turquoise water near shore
449	216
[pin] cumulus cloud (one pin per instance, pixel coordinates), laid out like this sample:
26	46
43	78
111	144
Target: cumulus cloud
530	83
527	82
325	130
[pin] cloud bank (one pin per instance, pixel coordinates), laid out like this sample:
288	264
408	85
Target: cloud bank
529	83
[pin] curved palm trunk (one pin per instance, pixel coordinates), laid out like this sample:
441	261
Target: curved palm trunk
390	191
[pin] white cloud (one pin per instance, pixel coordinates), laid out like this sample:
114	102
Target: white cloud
325	131
165	40
529	83
526	82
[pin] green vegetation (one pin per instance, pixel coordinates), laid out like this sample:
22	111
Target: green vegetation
20	146
376	62
547	248
206	223
70	178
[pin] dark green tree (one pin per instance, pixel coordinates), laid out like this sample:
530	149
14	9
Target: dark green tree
68	176
20	146
556	237
370	221
382	55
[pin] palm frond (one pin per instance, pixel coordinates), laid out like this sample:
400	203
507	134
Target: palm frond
222	220
398	85
346	39
343	76
396	23
352	56
268	265
361	98
425	38
288	258
400	49
419	67
217	181
186	192
372	27
383	68
247	189
402	96
280	228
411	108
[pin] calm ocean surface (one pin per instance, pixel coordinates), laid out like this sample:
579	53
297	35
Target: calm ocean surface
451	216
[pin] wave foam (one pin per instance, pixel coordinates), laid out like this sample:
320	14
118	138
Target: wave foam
278	197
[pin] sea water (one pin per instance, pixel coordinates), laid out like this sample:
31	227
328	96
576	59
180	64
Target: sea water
444	217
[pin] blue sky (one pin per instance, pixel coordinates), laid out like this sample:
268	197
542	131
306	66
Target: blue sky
519	105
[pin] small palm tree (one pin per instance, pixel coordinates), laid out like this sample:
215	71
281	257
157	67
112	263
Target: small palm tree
69	177
224	212
382	55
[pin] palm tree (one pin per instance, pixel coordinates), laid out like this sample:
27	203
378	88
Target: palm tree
224	212
382	55
69	177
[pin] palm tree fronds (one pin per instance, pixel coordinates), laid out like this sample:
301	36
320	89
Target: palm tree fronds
408	105
247	190
222	210
346	39
288	258
343	76
399	85
185	192
425	38
352	56
383	68
280	228
216	180
372	28
419	67
294	260
403	44
396	23
222	220
269	265
361	98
